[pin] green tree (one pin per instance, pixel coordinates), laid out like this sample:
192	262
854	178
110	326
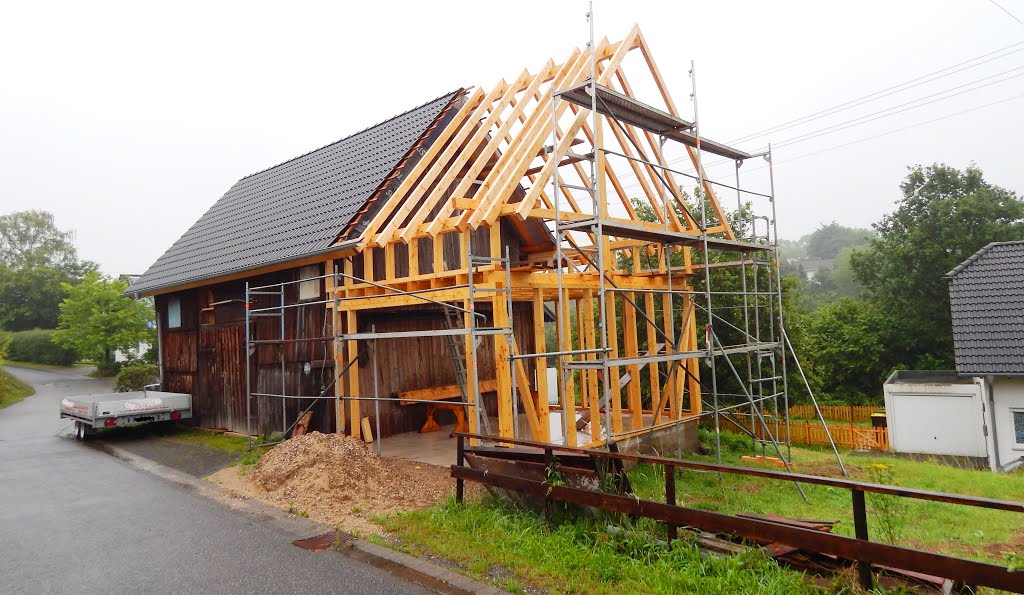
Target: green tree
845	348
30	239
829	240
96	319
36	259
945	216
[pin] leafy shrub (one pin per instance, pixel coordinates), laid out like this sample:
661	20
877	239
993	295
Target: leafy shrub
38	347
105	369
136	377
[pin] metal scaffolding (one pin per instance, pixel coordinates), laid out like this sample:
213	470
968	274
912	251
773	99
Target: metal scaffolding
763	392
467	379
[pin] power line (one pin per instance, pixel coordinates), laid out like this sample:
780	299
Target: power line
880	135
904	128
880	114
1012	16
914	82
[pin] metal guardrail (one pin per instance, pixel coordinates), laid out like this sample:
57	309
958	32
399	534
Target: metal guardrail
859	549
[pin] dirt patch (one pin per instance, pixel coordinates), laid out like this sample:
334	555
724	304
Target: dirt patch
338	481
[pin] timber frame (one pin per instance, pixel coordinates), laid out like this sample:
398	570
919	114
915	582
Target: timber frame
542	158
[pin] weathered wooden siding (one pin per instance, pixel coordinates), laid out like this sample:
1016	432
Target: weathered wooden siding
423	362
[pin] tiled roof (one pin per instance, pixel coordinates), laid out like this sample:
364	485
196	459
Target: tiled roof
986	295
292	209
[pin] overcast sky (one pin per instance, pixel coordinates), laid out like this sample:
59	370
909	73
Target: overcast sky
128	120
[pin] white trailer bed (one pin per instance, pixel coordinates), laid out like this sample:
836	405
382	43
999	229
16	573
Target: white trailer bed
123	409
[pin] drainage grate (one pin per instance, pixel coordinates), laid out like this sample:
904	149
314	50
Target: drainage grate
324	542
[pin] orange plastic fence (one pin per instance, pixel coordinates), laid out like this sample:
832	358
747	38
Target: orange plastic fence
853	413
813	433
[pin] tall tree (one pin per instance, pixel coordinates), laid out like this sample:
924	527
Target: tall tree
945	216
829	240
30	239
96	319
36	258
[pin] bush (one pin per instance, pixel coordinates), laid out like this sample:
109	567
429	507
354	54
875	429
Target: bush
136	377
107	369
37	346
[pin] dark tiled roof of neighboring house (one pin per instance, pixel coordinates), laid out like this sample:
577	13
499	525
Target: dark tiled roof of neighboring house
986	294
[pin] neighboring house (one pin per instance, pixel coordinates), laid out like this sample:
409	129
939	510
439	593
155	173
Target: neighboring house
977	410
986	295
811	266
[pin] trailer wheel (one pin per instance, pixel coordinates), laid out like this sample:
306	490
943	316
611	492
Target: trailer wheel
80	431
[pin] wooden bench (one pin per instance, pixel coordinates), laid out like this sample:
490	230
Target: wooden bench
440	394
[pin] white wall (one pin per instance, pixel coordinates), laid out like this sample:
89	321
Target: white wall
936	418
1007	395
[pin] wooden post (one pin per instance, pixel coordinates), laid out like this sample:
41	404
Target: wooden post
502	371
611	384
352	349
471	412
652	341
568	388
540	346
336	348
670	499
860	529
629	337
586	314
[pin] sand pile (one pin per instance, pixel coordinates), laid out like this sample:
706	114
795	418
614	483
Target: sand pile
339	481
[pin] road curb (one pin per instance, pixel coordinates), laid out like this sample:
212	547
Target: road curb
410	568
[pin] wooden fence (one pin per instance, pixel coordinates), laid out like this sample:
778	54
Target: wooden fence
813	433
848	413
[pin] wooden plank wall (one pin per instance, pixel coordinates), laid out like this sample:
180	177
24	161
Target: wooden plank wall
423	362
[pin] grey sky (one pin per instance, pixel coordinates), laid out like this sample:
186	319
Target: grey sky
128	120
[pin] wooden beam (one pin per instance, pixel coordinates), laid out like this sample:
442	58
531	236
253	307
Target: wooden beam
461	126
440	393
529	202
540	346
652	341
629	337
567	389
502	369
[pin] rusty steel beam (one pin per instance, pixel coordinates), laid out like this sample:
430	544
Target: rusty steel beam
967	571
876	488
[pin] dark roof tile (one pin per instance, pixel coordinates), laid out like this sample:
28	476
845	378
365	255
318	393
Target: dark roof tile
292	209
986	295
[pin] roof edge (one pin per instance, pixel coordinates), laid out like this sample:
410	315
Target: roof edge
209	279
970	259
354	134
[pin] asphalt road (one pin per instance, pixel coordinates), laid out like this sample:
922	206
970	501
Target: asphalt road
73	519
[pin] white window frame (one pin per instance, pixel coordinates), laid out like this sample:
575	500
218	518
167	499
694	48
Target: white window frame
1014	412
309	283
174	312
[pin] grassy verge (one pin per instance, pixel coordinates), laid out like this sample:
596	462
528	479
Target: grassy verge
958	530
12	390
519	552
230	443
35	366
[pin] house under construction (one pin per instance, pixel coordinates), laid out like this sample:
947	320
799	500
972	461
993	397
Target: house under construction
520	259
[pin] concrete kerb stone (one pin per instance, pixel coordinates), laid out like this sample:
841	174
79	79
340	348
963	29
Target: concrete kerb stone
411	568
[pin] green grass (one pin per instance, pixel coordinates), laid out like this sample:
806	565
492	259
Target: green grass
214	440
518	551
958	530
12	390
